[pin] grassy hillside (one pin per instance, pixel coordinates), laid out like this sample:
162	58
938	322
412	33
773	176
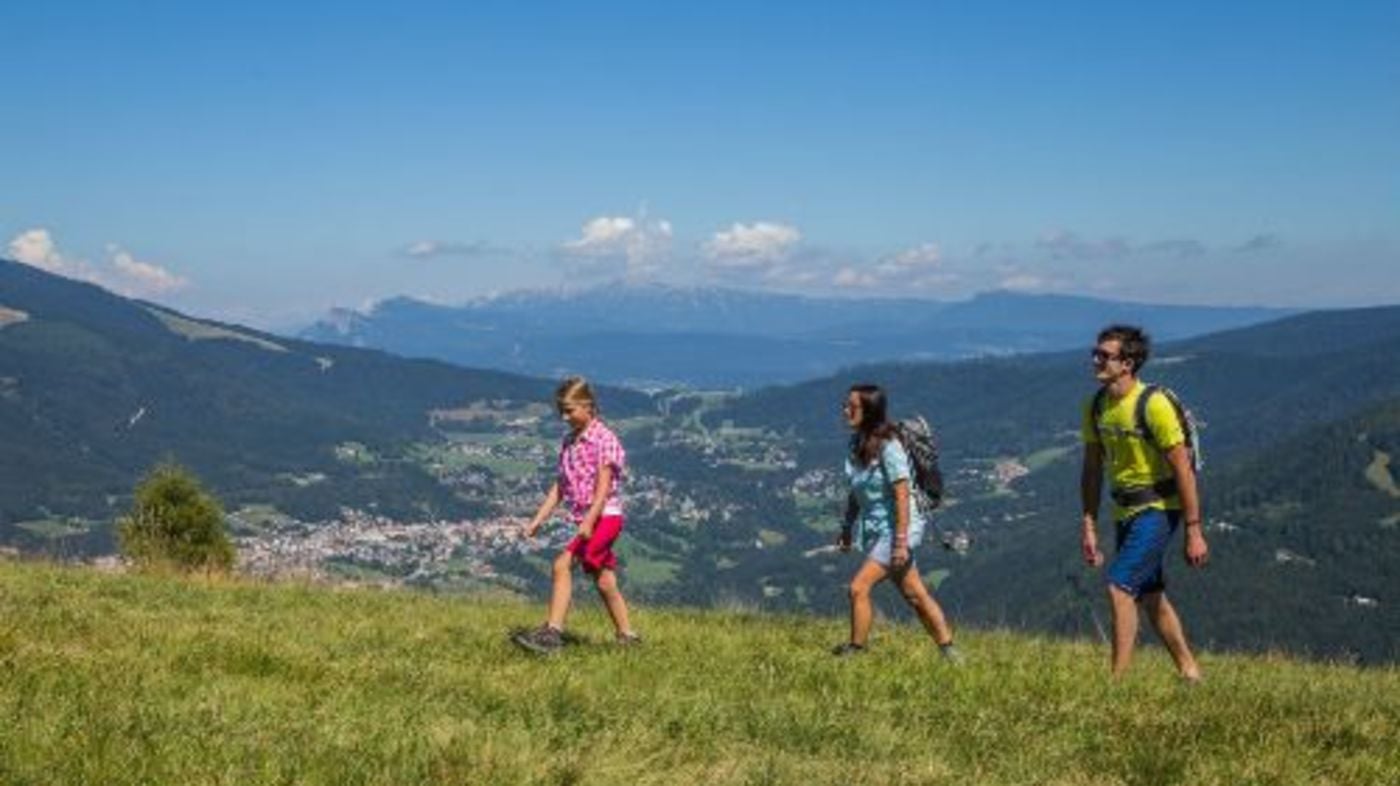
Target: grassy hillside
122	679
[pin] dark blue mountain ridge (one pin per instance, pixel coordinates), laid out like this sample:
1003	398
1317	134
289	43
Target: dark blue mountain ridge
724	337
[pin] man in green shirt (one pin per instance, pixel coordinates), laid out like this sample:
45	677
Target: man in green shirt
1153	485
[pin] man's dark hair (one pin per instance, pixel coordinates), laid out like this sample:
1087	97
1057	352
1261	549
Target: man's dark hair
1133	343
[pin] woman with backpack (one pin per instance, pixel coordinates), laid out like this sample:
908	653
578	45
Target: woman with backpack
885	520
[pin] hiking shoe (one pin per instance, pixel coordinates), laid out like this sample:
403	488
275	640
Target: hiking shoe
848	649
543	640
628	639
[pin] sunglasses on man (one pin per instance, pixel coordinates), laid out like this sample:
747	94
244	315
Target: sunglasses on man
1100	356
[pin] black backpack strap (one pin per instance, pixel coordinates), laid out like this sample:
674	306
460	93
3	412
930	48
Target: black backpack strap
1096	410
852	511
1140	415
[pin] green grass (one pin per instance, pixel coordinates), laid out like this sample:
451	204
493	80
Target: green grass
630	425
203	331
821	514
506	467
645	571
55	528
1043	458
151	680
493	439
935	578
442	459
772	537
644	566
1378	474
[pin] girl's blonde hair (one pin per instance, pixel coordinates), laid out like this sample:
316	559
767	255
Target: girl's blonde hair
575	390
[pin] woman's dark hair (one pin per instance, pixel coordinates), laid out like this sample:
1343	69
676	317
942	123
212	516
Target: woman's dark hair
875	427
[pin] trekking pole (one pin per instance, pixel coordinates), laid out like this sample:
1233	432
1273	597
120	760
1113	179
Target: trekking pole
1077	585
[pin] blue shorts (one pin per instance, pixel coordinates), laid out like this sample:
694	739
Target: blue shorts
879	551
1142	545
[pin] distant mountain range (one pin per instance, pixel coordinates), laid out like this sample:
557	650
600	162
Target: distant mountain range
655	335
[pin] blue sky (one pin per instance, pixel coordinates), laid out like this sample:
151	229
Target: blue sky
263	163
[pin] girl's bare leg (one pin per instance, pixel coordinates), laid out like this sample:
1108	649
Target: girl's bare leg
563	592
606	582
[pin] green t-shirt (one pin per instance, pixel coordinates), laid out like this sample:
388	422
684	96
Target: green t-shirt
1131	461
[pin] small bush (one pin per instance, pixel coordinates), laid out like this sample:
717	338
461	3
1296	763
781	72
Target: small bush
174	521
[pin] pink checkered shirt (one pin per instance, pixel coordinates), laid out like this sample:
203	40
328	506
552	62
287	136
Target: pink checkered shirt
580	458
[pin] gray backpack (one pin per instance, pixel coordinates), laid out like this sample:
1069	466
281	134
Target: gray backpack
919	441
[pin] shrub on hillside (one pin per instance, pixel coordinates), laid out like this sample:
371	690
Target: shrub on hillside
174	521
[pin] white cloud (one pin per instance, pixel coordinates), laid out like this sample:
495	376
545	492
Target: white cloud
905	263
603	235
139	279
436	249
1024	282
917	268
926	255
756	245
123	274
851	278
35	247
422	248
641	244
1063	244
794	277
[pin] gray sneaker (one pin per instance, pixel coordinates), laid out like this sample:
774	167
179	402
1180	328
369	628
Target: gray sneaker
628	639
951	654
848	649
543	640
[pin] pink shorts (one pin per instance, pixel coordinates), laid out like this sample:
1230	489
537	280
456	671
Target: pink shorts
596	553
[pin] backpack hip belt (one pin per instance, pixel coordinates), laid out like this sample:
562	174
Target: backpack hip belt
1143	495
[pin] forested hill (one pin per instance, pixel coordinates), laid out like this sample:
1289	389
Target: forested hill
1313	333
95	388
1310	529
1251	387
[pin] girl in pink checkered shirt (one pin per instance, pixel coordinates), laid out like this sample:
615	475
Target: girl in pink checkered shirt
590	469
